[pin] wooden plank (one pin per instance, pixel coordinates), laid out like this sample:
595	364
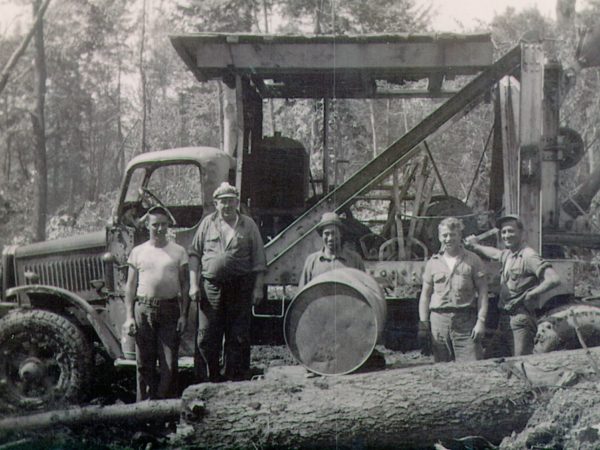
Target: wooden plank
509	89
550	203
273	58
530	133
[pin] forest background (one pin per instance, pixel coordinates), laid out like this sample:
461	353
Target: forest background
101	83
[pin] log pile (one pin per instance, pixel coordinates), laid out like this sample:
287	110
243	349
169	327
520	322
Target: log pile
401	408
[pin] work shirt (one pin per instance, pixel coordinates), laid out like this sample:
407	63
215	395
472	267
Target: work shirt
158	269
521	271
223	259
320	262
453	289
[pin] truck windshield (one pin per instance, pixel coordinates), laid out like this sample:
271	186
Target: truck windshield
177	185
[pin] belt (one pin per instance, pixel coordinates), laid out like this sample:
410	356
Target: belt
450	309
153	301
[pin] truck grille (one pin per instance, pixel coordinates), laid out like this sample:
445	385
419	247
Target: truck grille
72	273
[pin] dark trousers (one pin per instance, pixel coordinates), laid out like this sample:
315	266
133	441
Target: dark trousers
156	339
224	315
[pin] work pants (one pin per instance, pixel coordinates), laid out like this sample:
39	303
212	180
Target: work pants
224	314
517	332
451	336
156	339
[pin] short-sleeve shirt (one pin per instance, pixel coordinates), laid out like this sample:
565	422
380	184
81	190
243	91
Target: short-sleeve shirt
224	259
455	288
320	262
521	271
158	269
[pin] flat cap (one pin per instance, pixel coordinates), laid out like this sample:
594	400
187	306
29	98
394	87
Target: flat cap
226	190
508	217
158	209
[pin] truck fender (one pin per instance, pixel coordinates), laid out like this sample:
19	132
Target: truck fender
103	331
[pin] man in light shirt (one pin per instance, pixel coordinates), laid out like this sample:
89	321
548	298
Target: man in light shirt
157	306
454	299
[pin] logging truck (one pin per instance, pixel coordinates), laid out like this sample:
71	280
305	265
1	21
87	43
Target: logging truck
62	300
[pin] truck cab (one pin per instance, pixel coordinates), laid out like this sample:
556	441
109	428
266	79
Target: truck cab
62	296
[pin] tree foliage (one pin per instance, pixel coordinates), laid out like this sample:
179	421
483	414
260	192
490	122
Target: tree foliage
93	106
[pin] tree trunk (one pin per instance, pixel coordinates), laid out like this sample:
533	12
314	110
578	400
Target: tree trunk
39	131
14	58
128	414
142	69
401	408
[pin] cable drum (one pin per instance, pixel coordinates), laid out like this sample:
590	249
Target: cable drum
334	322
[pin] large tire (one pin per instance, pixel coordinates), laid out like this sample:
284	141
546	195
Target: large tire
45	360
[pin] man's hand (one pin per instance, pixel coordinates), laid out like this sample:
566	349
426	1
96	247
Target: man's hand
478	331
257	295
181	324
530	300
424	337
129	327
470	241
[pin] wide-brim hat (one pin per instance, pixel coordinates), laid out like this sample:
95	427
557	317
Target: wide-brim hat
330	218
506	218
225	190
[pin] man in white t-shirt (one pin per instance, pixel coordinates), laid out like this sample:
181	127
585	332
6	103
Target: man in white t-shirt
454	299
157	306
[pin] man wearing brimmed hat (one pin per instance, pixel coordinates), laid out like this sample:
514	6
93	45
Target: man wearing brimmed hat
333	255
227	264
157	306
525	275
454	300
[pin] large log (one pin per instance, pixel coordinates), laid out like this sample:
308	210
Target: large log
400	408
134	413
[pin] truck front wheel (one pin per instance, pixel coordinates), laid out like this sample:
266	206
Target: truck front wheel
45	360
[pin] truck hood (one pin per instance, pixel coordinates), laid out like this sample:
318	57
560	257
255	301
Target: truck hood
70	244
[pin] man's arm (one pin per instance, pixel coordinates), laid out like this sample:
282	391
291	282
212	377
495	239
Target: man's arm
424	332
258	292
482	307
424	301
549	280
129	326
194	270
184	306
493	253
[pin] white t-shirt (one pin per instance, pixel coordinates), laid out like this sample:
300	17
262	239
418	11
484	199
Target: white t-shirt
450	260
158	269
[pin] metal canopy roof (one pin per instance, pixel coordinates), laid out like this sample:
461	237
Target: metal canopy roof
335	66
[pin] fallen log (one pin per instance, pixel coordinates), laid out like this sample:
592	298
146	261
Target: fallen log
400	408
132	413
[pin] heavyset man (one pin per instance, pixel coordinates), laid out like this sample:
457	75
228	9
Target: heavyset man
525	275
333	255
454	299
157	305
227	251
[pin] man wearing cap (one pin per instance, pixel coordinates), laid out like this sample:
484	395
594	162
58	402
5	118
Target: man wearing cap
333	255
454	299
525	275
157	305
227	254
